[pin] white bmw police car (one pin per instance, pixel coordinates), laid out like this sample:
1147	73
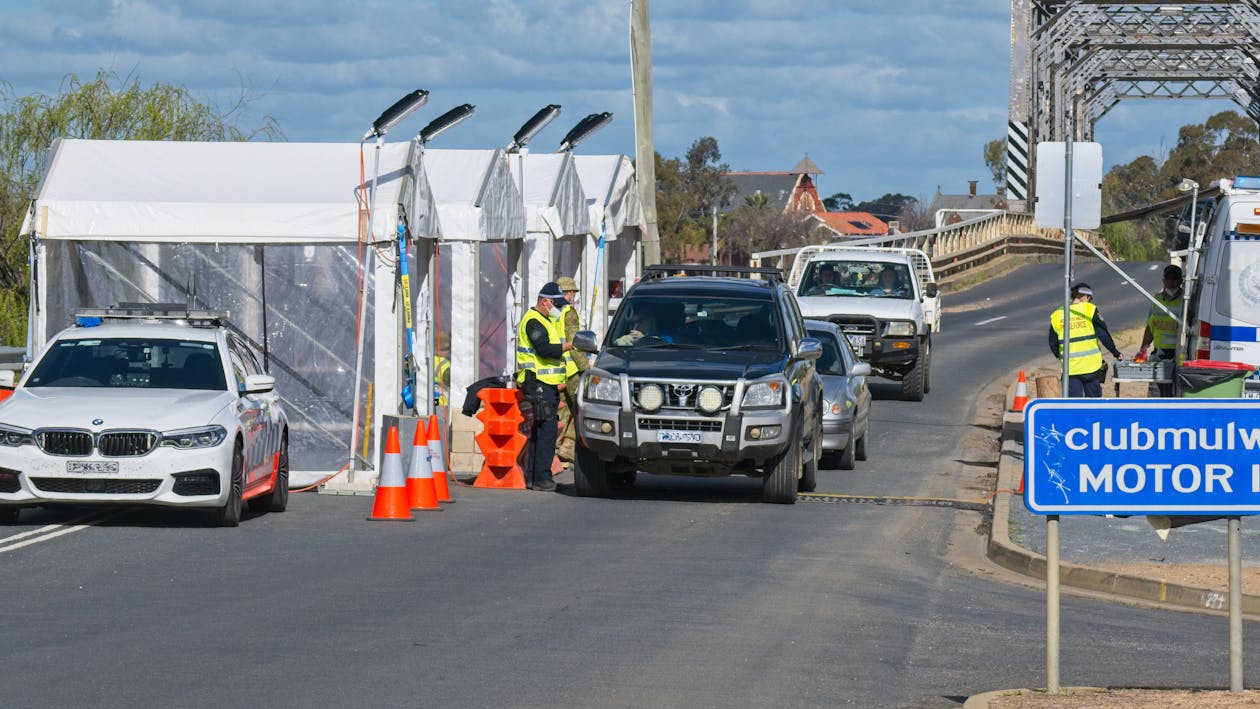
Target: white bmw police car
145	404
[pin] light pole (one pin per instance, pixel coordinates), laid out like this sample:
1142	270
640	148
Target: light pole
578	133
1191	265
390	117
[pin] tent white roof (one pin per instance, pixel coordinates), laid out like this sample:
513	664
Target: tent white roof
611	192
234	192
477	199
554	199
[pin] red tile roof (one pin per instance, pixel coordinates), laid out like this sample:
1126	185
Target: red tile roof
853	223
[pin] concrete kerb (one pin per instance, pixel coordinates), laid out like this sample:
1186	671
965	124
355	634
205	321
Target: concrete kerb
1002	551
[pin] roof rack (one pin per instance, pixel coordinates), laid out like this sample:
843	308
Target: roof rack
87	317
665	270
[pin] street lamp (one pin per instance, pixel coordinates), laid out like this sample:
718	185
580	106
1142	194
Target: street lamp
545	115
390	117
449	119
1191	264
584	129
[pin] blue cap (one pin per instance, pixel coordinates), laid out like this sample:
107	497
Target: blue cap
551	291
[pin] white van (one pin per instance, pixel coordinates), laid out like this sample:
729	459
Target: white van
1224	305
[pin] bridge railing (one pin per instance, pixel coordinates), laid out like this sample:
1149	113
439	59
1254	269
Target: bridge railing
959	247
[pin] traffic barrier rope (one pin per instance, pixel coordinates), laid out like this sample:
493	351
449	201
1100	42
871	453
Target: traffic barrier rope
501	440
437	456
1021	393
421	488
390	504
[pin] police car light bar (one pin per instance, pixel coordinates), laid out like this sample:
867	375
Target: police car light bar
1247	182
90	317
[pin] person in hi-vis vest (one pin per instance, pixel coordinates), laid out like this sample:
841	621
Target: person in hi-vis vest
575	363
540	348
1087	335
1161	329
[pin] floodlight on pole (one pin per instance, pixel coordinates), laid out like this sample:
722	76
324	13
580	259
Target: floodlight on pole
584	129
545	115
446	120
395	114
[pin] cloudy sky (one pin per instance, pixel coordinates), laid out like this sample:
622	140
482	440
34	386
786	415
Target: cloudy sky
883	96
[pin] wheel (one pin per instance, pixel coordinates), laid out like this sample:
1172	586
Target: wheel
229	515
848	455
913	381
9	514
590	478
809	472
779	484
859	448
278	499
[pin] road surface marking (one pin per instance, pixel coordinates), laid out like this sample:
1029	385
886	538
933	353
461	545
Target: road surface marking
52	531
986	322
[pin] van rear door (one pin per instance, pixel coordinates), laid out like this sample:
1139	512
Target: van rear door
1233	289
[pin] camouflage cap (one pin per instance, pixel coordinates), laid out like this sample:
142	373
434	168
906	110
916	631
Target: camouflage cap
566	284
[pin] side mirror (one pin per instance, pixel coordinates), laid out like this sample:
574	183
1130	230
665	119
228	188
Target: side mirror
584	340
861	369
810	348
7	378
931	290
259	383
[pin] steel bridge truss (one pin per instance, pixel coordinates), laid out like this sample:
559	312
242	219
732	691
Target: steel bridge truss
1072	61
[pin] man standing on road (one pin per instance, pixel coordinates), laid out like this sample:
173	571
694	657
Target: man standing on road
575	363
1161	328
541	349
1087	333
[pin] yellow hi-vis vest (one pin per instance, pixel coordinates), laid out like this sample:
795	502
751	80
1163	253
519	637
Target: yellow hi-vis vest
441	366
570	366
1163	328
548	371
1084	353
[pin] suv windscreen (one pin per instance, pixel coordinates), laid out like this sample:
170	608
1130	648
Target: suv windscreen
130	362
696	321
862	279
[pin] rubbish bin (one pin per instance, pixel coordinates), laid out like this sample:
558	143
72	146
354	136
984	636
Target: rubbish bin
1209	379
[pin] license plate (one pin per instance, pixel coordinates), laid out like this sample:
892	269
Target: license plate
857	341
91	466
677	436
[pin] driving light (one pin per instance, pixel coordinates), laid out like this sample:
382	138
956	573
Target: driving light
899	328
765	394
204	437
603	388
710	400
651	396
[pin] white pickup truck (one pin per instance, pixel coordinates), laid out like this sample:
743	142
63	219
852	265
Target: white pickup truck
885	300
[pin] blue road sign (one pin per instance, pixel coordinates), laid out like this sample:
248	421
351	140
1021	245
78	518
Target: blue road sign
1142	456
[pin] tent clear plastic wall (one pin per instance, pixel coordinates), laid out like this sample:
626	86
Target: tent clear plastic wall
266	231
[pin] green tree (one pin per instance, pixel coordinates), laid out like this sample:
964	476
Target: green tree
995	160
758	226
107	108
839	202
687	189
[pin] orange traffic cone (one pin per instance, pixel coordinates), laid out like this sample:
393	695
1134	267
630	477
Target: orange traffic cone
391	491
1021	393
421	491
437	456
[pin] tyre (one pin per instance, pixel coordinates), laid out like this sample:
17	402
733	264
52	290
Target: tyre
829	460
590	479
278	499
913	381
848	455
859	448
779	484
927	368
809	472
229	515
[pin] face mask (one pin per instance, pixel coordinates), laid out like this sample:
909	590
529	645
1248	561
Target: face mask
554	313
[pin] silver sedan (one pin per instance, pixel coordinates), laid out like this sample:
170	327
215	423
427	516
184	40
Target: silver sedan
846	398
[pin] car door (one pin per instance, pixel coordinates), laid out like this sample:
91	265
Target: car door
253	413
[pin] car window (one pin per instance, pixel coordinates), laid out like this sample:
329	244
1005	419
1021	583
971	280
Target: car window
138	363
856	278
695	321
832	360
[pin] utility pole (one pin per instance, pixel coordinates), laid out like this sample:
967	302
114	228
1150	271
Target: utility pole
644	151
714	258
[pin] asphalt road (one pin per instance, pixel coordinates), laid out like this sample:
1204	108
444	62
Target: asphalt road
680	593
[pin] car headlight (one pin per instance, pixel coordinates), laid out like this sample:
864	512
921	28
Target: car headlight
710	400
13	436
899	328
765	394
603	388
201	437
